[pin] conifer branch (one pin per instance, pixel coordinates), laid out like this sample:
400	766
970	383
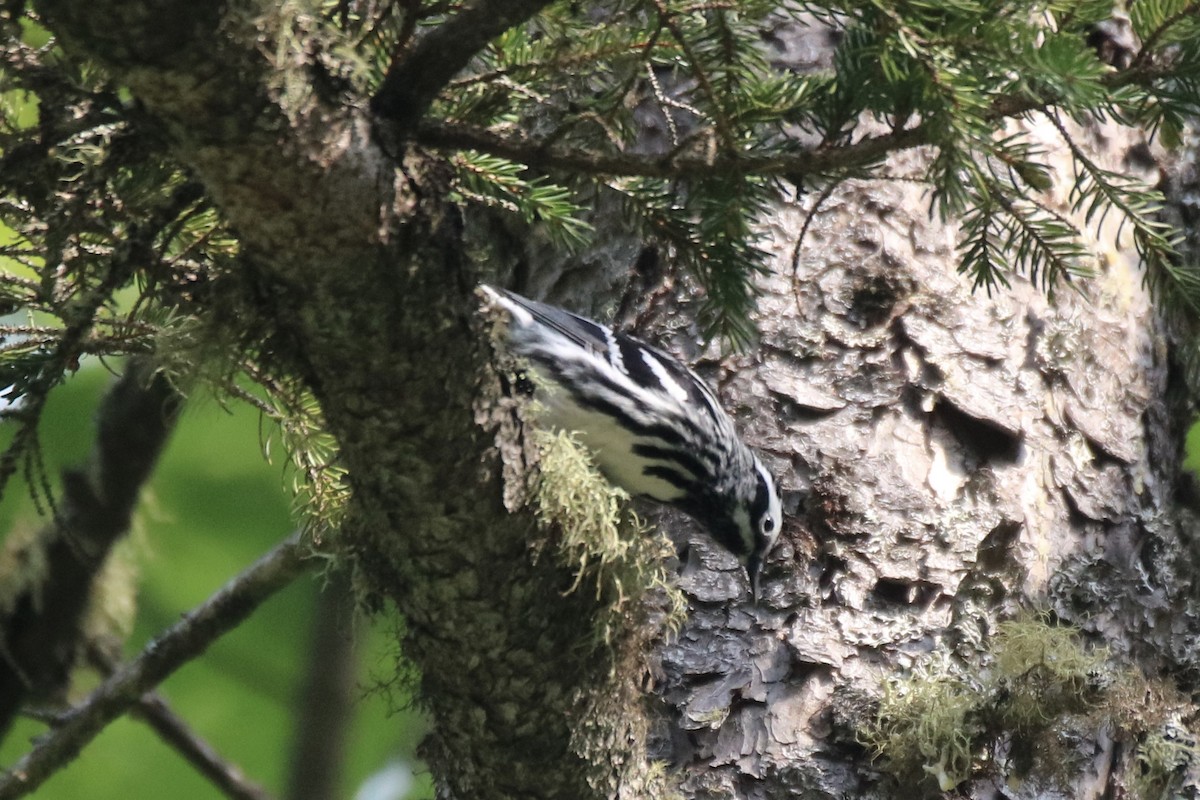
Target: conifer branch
1149	47
543	154
537	154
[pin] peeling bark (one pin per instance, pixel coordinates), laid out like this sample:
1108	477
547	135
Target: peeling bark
949	458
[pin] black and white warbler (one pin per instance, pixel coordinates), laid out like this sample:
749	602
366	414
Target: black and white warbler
655	428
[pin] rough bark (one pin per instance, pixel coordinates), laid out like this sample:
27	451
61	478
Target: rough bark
961	457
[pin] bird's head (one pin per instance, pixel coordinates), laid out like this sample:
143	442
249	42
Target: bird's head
751	521
765	521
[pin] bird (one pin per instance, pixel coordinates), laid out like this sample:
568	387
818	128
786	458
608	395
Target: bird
654	427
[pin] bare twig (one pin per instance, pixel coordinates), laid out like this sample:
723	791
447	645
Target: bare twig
174	730
153	709
180	643
700	74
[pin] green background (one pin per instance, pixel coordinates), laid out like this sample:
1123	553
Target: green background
214	505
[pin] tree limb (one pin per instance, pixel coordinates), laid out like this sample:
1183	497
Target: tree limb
546	156
179	644
821	159
412	83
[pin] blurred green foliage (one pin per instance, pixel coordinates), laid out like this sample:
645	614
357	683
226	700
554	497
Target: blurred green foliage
213	506
1191	450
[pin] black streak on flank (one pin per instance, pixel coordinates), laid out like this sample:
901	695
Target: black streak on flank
635	364
689	462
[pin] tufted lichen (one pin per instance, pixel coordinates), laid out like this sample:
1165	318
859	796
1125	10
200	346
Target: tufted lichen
600	538
1018	711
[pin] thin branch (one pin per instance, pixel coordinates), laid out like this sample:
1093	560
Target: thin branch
174	730
542	154
825	194
83	318
153	709
179	644
412	83
696	67
536	154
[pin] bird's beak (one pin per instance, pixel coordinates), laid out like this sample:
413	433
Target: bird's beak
753	568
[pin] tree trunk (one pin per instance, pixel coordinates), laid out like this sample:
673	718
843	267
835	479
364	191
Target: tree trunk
355	281
958	458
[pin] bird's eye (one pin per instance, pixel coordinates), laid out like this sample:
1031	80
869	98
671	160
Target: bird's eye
768	524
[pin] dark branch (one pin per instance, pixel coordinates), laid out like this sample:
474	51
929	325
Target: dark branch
547	156
154	710
174	730
40	628
179	644
412	83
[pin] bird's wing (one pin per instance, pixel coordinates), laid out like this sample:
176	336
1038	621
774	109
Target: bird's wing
646	365
580	330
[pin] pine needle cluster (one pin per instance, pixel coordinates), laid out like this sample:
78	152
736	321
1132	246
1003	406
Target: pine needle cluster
678	108
110	249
